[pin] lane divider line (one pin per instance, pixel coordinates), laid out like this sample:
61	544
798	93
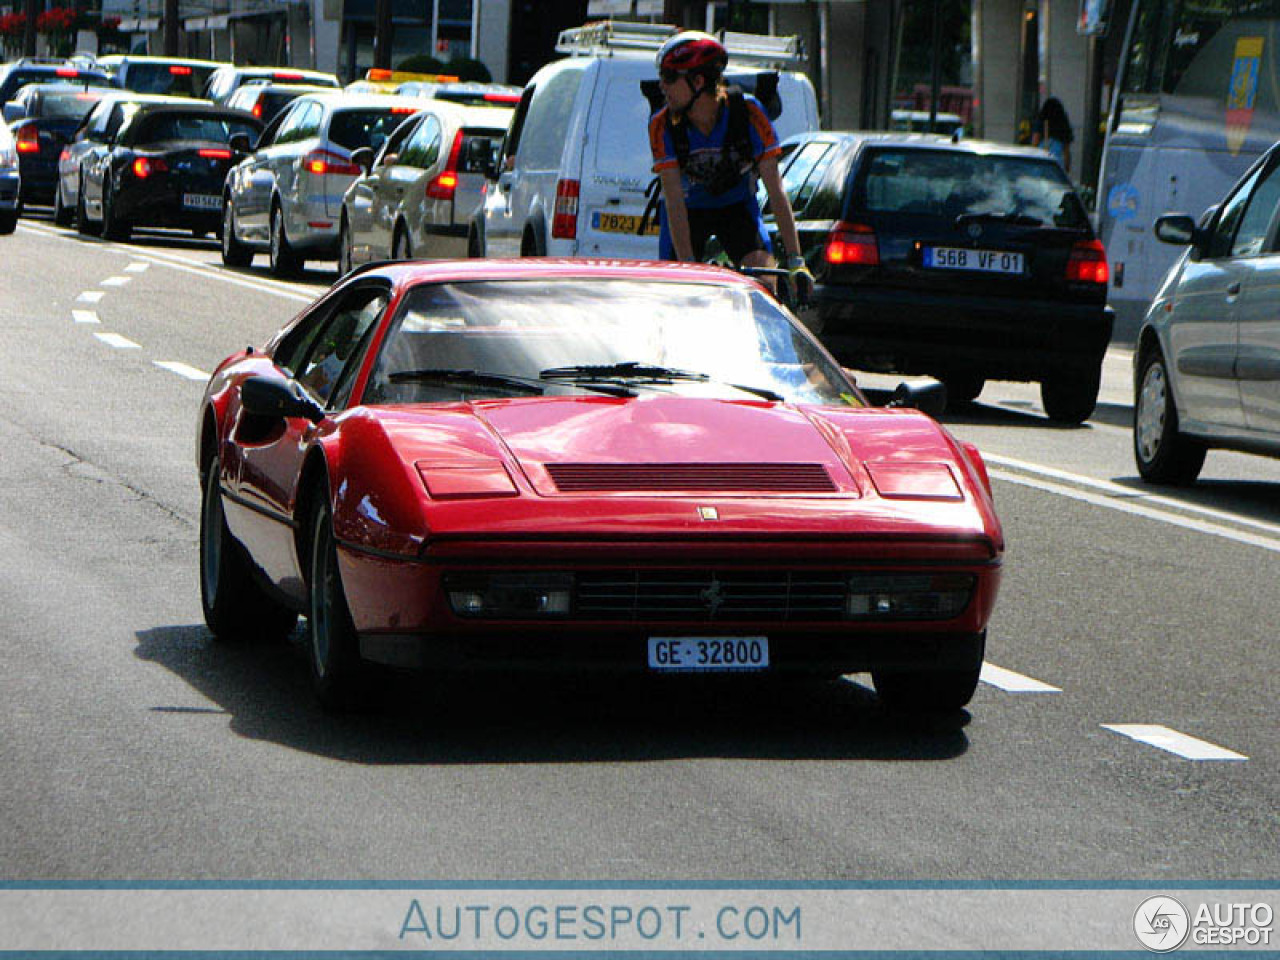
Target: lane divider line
116	281
90	296
137	267
182	369
117	341
1011	682
84	316
1163	738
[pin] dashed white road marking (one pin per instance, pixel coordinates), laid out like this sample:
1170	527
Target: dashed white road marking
137	267
1011	682
90	296
116	281
117	341
181	369
1181	744
84	316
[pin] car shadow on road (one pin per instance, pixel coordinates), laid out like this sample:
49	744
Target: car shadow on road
539	718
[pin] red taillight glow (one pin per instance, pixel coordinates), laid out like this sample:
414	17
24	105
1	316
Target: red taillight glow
564	225
144	167
180	71
28	140
511	98
325	161
285	77
1088	263
443	184
852	243
404	110
257	109
67	72
215	153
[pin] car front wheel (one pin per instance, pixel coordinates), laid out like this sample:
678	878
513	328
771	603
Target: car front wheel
285	262
402	248
344	249
113	228
340	678
234	253
1163	454
62	214
235	606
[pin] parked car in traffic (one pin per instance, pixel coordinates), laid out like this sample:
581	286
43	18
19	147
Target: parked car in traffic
164	167
10	182
43	118
173	76
419	191
964	260
596	466
1207	356
286	196
14	76
266	100
228	78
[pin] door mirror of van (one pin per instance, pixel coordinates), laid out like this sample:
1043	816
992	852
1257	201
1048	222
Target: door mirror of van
482	157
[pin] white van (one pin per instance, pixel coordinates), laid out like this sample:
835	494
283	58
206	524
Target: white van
573	169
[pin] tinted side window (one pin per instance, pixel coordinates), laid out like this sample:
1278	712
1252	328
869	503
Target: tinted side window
334	350
547	123
1224	230
512	142
1256	224
287	132
424	146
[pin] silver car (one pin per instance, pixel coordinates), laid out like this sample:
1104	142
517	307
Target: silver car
285	197
1207	359
422	187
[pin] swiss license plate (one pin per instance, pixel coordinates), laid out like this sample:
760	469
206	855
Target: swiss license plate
708	654
202	201
621	223
962	258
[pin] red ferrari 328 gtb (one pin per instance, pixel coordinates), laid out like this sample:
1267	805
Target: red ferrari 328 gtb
587	465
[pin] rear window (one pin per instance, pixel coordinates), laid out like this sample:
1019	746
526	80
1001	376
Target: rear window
366	128
467	161
68	105
944	184
182	126
174	79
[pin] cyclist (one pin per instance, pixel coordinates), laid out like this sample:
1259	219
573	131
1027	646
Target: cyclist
708	144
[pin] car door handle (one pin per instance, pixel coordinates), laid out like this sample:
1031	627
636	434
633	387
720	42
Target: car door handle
1233	290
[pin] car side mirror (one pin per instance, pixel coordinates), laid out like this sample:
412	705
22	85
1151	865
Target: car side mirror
930	397
1178	229
277	398
363	158
480	155
13	112
240	143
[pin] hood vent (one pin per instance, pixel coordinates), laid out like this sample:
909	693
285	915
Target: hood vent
701	477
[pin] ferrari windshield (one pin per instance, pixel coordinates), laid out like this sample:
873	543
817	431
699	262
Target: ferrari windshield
691	339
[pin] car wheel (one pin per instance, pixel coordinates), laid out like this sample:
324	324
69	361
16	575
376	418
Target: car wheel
401	247
8	221
344	249
962	387
1070	397
475	247
1163	454
235	606
82	217
112	227
284	260
234	253
62	214
928	691
340	678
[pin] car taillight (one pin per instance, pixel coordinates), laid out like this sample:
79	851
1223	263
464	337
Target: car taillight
67	72
564	225
1088	263
326	161
28	140
852	243
144	167
444	183
281	76
257	109
214	153
180	71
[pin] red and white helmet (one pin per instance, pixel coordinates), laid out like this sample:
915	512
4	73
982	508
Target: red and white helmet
692	50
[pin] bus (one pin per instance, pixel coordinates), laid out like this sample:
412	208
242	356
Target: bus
1197	101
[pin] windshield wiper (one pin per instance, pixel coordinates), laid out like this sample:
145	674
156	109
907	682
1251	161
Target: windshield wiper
480	378
1017	219
631	370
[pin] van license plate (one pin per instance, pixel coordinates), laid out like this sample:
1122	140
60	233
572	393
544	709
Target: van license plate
621	223
202	201
962	258
708	654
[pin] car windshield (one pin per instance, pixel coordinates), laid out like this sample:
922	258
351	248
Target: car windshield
191	126
367	127
690	339
958	183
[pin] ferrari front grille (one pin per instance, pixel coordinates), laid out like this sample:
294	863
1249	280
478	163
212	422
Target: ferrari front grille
710	595
699	477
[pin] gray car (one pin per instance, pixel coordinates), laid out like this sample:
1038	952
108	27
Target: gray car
285	197
1207	358
10	183
421	188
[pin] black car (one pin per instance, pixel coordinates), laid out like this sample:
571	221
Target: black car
163	167
963	260
44	116
18	74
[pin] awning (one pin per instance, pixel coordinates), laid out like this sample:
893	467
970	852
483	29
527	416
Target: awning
207	23
138	24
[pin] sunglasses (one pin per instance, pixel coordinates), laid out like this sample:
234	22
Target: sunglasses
670	76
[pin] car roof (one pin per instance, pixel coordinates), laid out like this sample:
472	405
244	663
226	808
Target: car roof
115	59
45	89
465	114
925	141
406	273
340	98
298	88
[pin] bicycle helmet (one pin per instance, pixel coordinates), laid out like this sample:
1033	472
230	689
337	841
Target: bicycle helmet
692	50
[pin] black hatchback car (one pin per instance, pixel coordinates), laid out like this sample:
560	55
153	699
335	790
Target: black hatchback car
964	260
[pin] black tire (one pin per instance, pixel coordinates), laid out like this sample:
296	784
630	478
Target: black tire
1163	454
1070	397
339	677
532	245
962	388
62	214
345	255
83	226
925	692
401	246
235	606
8	221
285	262
112	226
475	246
234	253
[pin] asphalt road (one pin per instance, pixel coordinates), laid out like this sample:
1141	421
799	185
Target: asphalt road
135	747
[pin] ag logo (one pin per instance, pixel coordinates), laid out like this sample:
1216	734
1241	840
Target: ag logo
1161	923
